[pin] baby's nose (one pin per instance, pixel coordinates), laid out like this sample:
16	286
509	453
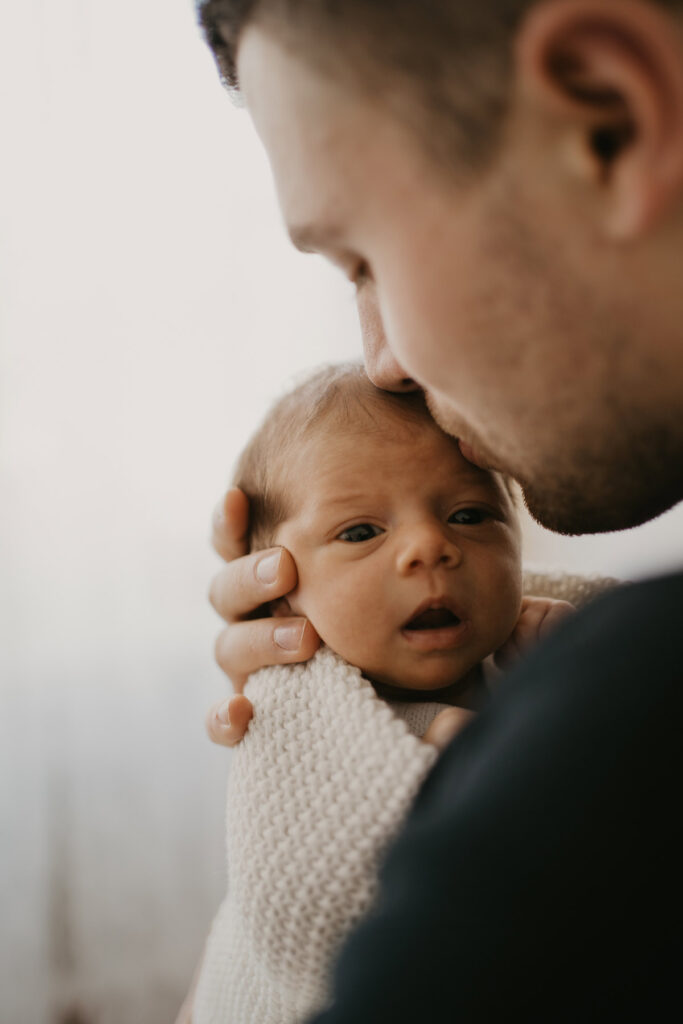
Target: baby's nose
427	546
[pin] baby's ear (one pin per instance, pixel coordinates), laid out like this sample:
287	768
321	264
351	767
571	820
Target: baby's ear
280	609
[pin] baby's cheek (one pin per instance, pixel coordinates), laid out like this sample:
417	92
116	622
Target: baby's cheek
506	606
350	635
333	609
352	631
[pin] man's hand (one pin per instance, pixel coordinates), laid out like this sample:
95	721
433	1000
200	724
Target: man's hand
238	591
538	617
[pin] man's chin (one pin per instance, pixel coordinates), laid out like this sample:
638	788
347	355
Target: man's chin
592	488
570	514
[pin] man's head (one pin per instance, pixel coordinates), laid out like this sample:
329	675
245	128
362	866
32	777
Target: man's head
504	182
408	556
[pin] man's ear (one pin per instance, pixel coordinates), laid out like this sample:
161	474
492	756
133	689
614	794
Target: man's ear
606	81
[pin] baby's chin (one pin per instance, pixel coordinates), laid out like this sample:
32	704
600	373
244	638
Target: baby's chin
440	688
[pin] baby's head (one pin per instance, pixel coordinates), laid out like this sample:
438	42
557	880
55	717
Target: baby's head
409	557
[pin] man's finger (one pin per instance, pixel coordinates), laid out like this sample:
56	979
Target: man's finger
249	582
244	647
227	722
230	525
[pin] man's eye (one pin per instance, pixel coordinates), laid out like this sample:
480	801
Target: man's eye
468	516
360	532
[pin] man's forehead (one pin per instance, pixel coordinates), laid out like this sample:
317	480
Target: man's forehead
328	147
298	112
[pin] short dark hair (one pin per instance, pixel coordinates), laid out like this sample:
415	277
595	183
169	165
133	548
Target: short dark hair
338	396
409	53
443	66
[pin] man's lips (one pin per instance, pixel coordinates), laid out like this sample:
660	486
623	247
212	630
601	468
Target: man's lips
436	624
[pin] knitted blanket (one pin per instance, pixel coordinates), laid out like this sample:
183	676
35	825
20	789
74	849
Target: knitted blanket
320	784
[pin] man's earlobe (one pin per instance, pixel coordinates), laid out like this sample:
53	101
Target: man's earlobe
606	83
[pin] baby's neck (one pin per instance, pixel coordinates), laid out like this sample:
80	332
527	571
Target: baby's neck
469	692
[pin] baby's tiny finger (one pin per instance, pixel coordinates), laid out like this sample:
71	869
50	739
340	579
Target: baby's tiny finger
507	655
556	614
227	722
446	726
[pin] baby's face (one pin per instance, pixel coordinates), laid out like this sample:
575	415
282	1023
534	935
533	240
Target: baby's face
408	555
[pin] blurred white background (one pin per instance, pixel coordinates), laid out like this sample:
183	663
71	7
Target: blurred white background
150	308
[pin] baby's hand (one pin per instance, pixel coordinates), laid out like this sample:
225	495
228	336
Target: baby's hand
539	616
446	725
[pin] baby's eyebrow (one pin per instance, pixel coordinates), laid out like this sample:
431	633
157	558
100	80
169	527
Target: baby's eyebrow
344	499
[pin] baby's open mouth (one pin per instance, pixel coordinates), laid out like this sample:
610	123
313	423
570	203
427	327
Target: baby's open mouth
433	618
435	627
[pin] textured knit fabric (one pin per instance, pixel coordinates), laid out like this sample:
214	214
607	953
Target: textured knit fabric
322	781
319	785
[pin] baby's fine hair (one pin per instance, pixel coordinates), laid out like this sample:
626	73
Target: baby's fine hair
332	396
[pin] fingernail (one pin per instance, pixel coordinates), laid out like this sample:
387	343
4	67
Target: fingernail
289	637
266	569
223	713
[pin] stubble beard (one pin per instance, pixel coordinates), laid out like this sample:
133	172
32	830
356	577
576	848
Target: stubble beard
617	474
637	477
613	465
601	454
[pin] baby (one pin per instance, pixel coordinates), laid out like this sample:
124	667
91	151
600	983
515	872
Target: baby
409	568
408	556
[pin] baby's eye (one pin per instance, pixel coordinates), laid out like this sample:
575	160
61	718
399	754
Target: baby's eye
469	516
360	532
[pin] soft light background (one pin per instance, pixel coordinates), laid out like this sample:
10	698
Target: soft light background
150	307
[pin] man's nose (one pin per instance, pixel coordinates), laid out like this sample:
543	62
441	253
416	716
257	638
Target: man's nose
382	368
426	546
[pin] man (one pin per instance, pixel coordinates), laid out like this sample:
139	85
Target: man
504	183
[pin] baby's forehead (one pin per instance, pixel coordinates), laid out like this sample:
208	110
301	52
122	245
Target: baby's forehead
354	455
